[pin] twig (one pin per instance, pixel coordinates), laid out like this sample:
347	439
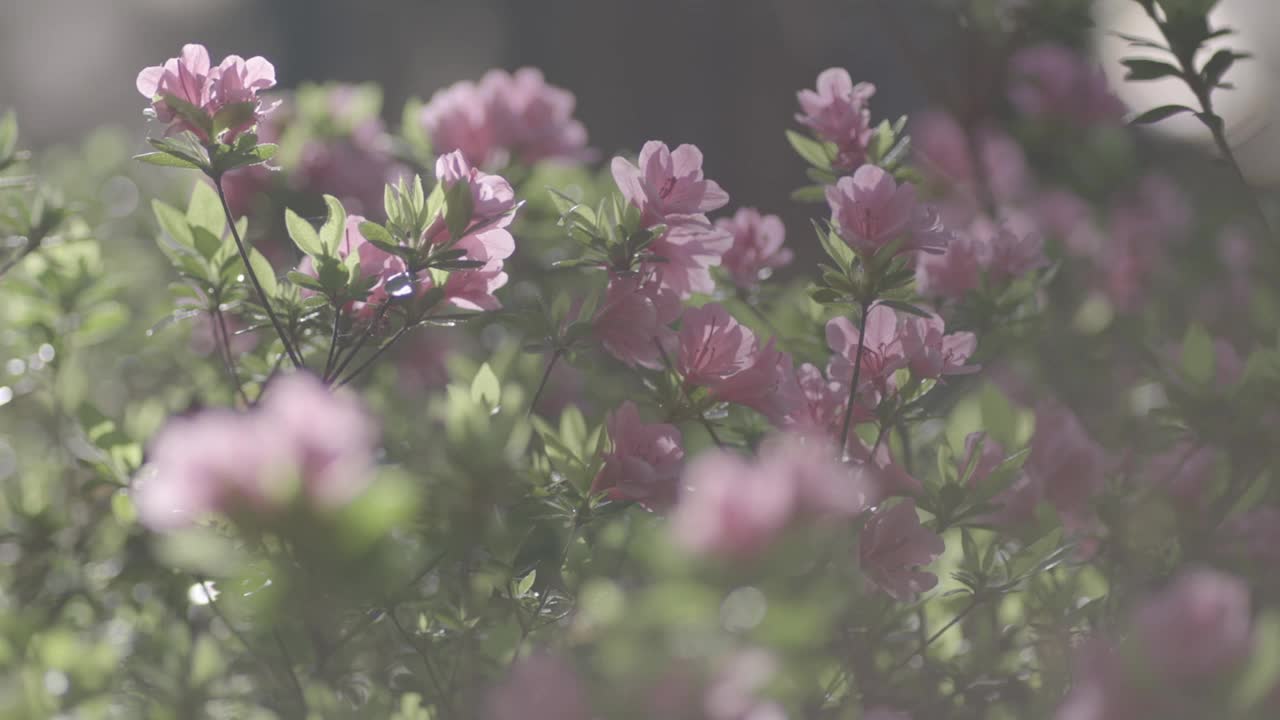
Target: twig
293	677
853	388
376	354
333	345
546	376
364	338
442	698
223	341
939	633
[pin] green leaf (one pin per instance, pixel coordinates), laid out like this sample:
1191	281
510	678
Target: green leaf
303	234
206	243
266	274
375	233
906	307
8	137
334	227
813	152
165	159
173	222
1198	355
835	246
1259	678
486	388
526	584
810	194
1163	112
122	508
204	210
232	116
458	208
195	116
304	280
1144	69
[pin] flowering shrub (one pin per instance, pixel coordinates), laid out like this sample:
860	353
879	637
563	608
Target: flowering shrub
467	421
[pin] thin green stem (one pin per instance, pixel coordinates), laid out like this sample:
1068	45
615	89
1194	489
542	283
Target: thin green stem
846	424
253	278
546	376
222	338
333	345
376	354
293	676
973	603
666	361
364	338
443	701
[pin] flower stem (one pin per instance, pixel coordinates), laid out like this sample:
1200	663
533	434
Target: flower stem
666	360
364	338
853	387
546	376
333	345
973	603
223	340
289	349
376	354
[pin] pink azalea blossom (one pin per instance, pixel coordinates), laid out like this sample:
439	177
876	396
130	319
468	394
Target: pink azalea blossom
668	182
644	461
713	346
870	210
1197	627
532	119
767	385
930	353
952	274
1012	248
1103	688
882	353
301	440
813	404
757	246
892	547
474	289
1254	535
493	203
634	320
946	152
541	687
1065	461
1055	82
374	263
734	692
689	249
191	78
455	120
1185	471
1014	504
727	508
838	113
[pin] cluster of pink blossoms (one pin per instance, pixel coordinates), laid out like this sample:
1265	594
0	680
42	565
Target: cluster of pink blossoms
191	79
505	117
837	112
486	240
301	442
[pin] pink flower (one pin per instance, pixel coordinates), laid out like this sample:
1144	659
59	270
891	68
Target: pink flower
541	687
1254	535
930	353
1012	248
1103	688
882	353
870	210
493	208
474	289
191	79
644	461
455	120
1065	461
837	113
767	385
1052	81
374	263
757	246
727	508
1185	471
668	182
951	274
734	692
823	487
1199	626
813	404
713	346
1014	504
893	545
689	249
634	320
300	440
946	151
531	119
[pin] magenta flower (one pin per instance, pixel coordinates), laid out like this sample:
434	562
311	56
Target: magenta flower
644	461
635	319
882	354
191	79
1199	626
541	687
838	113
689	249
668	182
301	441
531	119
713	346
893	545
757	246
930	353
1054	82
870	210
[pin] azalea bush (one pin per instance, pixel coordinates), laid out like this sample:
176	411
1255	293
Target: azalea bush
309	418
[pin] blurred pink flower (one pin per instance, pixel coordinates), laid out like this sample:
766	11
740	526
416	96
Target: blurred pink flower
951	274
734	692
767	385
757	246
474	289
1068	464
540	687
1185	471
531	119
1199	626
946	152
635	319
1011	248
455	120
668	182
838	113
301	439
812	403
713	346
191	79
1055	82
643	462
870	210
893	544
1254	535
1103	688
931	353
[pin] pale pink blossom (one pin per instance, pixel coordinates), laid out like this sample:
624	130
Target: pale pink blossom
757	247
1254	535
475	289
1054	82
455	120
1012	248
728	508
893	546
932	353
689	248
882	353
953	273
837	111
668	182
1065	461
734	693
191	79
823	487
713	346
1104	689
870	210
813	404
634	320
374	263
643	462
494	205
946	152
767	384
1199	626
540	687
531	119
301	441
